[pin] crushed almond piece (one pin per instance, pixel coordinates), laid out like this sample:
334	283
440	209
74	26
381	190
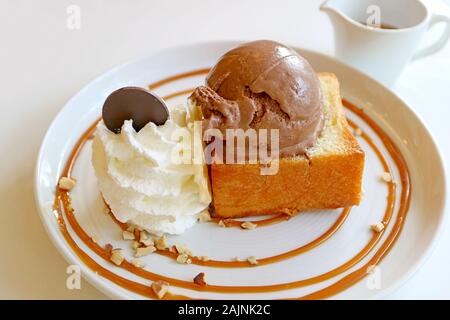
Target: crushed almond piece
184	259
161	243
117	256
200	279
377	227
143	251
147	242
66	183
142	236
203	258
248	225
94	239
136	245
386	176
183	250
127	235
204	216
252	260
173	249
357	132
130	229
138	263
222	224
160	288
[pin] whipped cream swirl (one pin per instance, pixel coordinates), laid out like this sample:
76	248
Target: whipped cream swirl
142	184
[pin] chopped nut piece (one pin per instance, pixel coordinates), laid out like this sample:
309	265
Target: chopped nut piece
200	279
252	260
147	242
66	183
237	259
142	236
204	216
288	212
184	259
130	229
222	224
248	225
117	256
378	227
138	263
127	235
203	258
160	288
161	243
143	251
386	176
136	245
183	250
357	132
94	239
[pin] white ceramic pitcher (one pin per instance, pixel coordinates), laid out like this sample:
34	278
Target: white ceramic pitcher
364	38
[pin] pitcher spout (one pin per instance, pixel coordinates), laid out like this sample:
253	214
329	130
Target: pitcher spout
335	12
329	7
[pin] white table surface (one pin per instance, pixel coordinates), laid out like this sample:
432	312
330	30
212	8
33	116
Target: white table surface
43	63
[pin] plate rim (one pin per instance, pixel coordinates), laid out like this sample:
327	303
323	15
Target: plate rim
69	255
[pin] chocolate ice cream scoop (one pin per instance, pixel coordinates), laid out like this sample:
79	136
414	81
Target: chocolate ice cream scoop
264	85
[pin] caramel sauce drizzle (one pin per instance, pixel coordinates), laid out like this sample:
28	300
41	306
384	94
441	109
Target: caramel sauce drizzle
62	205
179	76
170	253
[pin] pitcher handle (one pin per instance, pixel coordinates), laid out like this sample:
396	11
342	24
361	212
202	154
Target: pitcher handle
441	42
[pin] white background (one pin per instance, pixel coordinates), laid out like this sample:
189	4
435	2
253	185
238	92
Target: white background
43	63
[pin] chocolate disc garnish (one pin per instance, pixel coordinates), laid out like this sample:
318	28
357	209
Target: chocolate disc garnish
133	103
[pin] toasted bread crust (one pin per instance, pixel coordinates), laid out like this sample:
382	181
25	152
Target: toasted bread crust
328	177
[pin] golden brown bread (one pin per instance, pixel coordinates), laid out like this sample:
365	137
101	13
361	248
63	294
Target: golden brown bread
328	177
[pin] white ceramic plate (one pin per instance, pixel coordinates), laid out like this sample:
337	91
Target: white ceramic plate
207	239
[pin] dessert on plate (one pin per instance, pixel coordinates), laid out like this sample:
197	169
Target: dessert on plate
256	88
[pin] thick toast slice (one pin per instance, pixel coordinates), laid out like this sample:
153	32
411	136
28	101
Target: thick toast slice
328	177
